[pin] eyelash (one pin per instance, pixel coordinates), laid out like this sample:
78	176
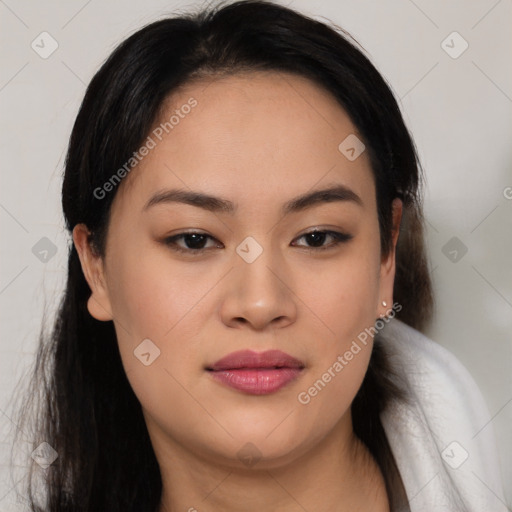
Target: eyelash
338	239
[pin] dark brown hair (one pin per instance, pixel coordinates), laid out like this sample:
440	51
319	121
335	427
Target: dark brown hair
85	407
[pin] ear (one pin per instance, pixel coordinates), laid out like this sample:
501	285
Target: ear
93	268
387	266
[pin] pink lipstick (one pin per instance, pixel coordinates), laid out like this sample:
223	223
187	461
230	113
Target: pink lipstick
256	373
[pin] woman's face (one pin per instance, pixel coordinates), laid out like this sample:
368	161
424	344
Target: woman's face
256	142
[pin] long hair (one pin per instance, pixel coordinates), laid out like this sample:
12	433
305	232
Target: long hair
85	408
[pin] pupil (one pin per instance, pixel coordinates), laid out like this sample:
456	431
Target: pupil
195	237
318	238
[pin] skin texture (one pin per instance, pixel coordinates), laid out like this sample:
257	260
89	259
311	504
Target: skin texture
257	140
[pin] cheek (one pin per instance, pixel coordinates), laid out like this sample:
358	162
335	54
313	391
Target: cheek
344	298
332	384
170	304
161	303
342	293
153	296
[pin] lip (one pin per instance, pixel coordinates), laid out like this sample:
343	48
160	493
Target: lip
256	373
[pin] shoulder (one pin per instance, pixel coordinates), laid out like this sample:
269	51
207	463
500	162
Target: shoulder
444	434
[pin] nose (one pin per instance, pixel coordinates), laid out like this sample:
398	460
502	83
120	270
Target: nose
259	295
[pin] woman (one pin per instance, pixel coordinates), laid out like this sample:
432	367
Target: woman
246	285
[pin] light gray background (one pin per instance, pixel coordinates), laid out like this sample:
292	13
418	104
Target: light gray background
457	109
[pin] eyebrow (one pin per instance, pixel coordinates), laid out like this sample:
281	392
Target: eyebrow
217	204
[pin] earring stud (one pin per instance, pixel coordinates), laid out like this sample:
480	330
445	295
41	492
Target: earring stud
384	303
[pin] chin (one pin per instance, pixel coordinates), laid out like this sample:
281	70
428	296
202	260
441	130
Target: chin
265	448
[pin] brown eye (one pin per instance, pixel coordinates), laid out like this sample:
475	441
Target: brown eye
317	238
194	242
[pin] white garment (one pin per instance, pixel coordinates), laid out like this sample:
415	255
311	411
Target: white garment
447	422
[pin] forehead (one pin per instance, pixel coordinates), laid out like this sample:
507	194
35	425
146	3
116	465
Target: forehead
257	137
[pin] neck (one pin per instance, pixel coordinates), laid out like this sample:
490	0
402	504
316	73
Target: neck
338	474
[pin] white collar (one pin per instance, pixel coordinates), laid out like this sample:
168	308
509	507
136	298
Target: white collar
443	442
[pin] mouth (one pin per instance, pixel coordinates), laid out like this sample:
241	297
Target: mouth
256	373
